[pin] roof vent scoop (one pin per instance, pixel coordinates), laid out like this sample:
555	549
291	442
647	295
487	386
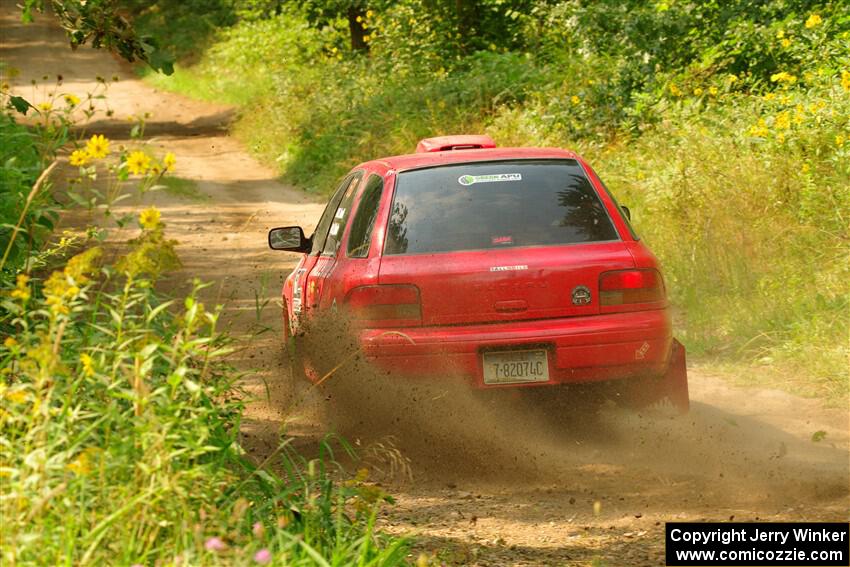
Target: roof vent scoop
447	143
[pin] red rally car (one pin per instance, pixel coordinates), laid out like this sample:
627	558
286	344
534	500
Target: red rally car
511	267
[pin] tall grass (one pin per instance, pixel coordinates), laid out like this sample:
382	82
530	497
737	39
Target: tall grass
120	435
119	416
752	232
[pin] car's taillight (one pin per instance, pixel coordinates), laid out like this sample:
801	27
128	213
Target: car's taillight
626	287
385	305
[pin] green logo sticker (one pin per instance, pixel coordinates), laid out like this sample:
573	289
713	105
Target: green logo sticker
496	178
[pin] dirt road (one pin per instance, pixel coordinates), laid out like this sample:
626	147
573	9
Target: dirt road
514	490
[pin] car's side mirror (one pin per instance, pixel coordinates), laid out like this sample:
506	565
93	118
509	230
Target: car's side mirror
626	211
289	238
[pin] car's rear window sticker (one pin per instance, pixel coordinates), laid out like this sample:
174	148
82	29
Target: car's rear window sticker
496	178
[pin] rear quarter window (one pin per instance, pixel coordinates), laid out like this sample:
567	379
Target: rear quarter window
324	225
360	236
486	205
340	219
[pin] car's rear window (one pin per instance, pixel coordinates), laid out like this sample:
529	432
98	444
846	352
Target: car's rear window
479	206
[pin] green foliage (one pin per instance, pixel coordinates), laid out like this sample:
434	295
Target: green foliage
187	25
749	228
119	421
100	23
29	217
119	431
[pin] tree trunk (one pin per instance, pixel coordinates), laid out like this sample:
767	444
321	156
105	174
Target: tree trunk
355	27
466	12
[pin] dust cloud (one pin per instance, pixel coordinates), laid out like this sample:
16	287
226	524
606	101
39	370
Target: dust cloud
451	434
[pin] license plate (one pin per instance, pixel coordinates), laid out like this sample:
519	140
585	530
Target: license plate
515	366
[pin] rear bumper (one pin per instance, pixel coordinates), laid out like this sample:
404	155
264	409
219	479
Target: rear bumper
580	349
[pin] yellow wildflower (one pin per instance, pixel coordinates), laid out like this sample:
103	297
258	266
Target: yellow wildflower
367	38
845	80
806	168
22	290
840	139
698	91
575	99
675	91
783	77
45	106
169	161
814	20
71	100
149	218
82	264
81	466
785	42
79	158
780	34
780	137
56	289
15	396
369	13
783	121
63	285
138	163
760	129
733	78
712	91
10	342
86	361
769	96
98	146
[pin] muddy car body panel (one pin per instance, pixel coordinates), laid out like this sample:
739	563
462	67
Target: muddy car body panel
512	267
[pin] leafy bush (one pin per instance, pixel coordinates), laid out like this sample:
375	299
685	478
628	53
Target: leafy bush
30	216
749	223
120	427
119	422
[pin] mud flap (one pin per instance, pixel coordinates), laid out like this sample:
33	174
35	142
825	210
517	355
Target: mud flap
675	381
672	385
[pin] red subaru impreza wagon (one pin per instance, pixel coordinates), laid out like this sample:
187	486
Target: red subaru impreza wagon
510	267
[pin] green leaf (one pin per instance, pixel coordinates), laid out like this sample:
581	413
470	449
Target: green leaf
818	436
20	104
157	310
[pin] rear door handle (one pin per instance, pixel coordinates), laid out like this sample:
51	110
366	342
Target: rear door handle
511	306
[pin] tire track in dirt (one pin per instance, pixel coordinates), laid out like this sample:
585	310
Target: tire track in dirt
584	488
